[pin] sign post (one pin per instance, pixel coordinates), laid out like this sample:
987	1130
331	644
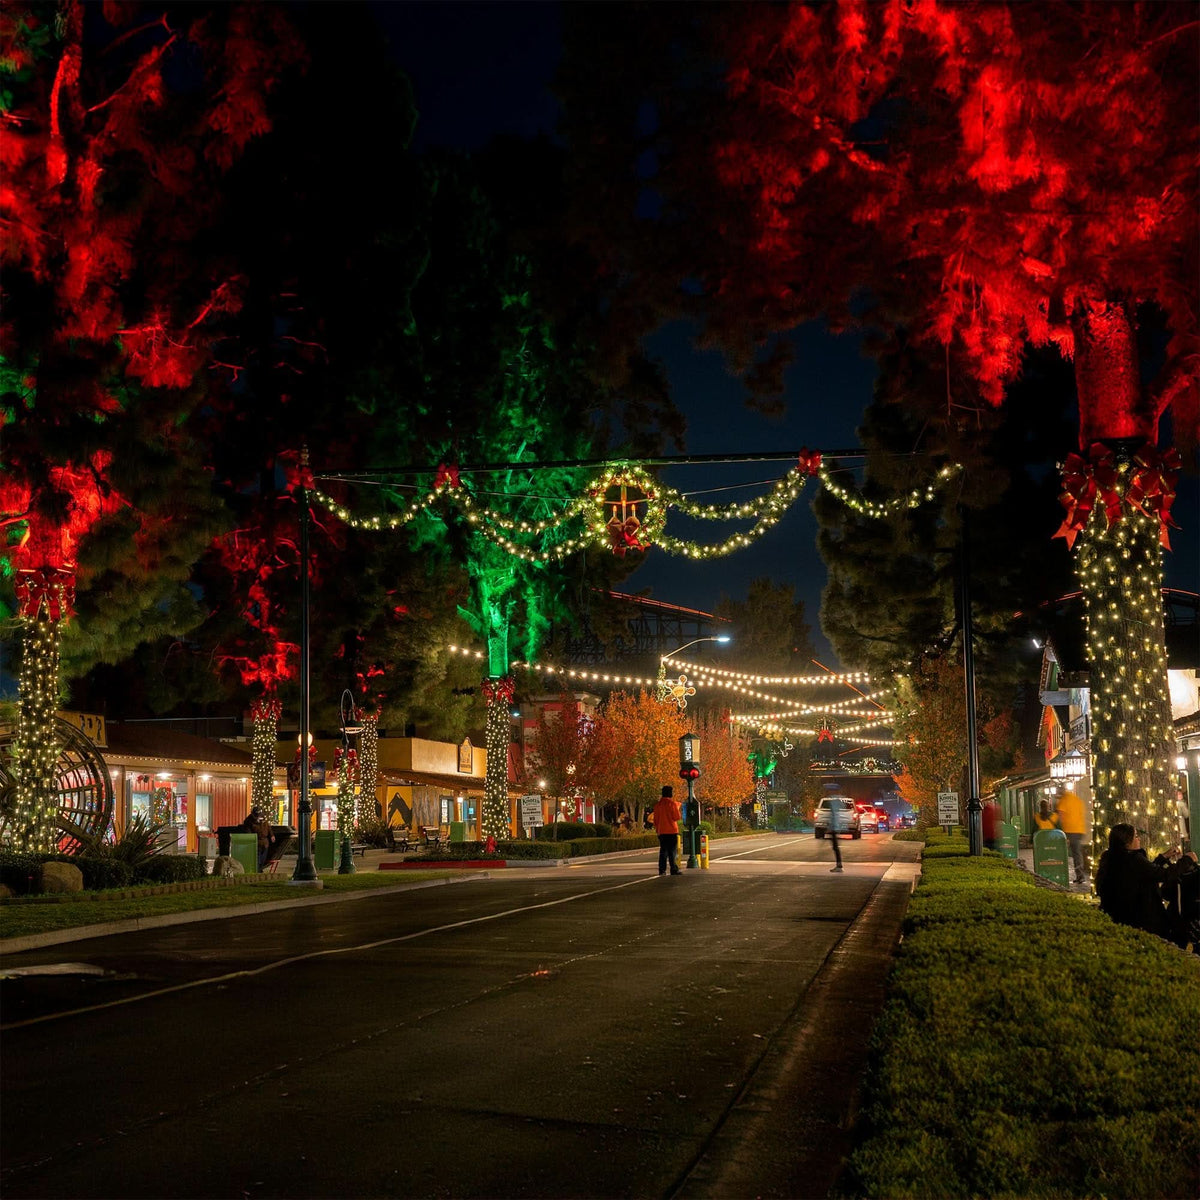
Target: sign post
947	809
531	813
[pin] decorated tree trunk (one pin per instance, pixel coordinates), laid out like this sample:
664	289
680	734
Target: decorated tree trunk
45	597
1118	496
265	714
365	810
495	817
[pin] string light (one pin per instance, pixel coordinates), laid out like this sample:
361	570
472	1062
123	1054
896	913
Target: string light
846	677
632	522
265	715
35	754
368	766
1120	571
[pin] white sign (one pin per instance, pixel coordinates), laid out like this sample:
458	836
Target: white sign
531	811
947	808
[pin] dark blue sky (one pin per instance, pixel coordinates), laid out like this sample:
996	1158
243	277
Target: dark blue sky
484	69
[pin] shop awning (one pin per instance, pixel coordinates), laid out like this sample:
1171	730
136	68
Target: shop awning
451	784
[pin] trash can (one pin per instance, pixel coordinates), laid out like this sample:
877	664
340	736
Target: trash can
325	849
244	848
207	845
458	831
1050	856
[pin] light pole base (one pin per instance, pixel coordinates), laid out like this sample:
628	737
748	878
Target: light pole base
346	865
315	882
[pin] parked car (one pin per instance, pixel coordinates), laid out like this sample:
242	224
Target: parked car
885	818
847	820
868	819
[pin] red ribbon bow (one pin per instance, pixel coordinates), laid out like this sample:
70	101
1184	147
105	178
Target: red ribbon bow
825	735
809	461
448	475
265	710
496	690
1152	486
1086	481
52	586
625	537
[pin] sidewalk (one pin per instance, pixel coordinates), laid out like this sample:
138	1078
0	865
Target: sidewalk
1025	861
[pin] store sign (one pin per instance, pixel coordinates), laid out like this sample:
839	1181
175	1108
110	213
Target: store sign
92	724
466	757
1079	730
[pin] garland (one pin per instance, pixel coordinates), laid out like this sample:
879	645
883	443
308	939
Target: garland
625	509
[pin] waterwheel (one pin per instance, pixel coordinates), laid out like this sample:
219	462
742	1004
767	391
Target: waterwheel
85	792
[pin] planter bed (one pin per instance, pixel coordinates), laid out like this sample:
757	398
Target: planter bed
443	864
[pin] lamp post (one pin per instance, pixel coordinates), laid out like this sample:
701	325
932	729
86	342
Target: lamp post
689	770
350	726
305	873
719	637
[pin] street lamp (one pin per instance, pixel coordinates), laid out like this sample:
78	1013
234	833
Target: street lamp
689	770
1072	765
720	637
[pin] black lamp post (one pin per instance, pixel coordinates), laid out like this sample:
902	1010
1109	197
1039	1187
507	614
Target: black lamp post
305	872
689	771
350	726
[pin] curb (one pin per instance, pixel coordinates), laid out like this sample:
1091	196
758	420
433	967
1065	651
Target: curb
79	933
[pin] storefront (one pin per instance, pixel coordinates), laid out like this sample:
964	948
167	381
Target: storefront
191	784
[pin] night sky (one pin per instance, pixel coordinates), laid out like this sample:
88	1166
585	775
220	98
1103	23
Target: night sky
485	69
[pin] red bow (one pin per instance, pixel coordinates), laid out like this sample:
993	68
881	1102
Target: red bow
447	475
809	461
825	734
497	690
1152	487
1086	480
265	710
625	537
52	586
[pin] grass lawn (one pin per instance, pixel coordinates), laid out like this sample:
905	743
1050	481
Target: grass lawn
21	920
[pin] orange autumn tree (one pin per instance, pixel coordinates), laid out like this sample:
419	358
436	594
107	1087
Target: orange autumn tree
726	780
638	743
568	753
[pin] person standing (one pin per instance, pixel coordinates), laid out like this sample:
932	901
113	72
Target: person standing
835	830
666	824
1070	821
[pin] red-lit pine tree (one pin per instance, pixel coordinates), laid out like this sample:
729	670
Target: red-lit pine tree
118	123
984	176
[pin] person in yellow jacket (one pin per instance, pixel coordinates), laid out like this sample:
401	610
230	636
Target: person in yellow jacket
1071	822
1045	818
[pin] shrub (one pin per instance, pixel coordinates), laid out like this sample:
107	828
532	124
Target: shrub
140	841
372	833
990	1077
22	873
101	872
173	868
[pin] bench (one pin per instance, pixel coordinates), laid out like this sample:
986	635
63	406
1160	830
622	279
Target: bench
397	839
432	835
359	848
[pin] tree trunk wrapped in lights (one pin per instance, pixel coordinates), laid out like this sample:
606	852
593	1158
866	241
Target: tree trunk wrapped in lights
368	766
45	597
265	714
495	816
1118	509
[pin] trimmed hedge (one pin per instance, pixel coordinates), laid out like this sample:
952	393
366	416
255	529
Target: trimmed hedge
173	868
1029	1047
526	848
21	873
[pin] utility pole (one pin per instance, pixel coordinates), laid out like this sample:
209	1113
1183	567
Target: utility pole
974	804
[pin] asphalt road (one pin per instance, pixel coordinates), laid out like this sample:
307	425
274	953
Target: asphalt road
586	1031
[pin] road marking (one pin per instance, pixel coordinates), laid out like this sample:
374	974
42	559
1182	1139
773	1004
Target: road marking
297	958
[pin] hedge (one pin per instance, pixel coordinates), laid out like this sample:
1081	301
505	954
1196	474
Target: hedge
1028	1046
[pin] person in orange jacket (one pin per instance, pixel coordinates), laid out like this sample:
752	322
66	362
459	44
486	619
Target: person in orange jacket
666	824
